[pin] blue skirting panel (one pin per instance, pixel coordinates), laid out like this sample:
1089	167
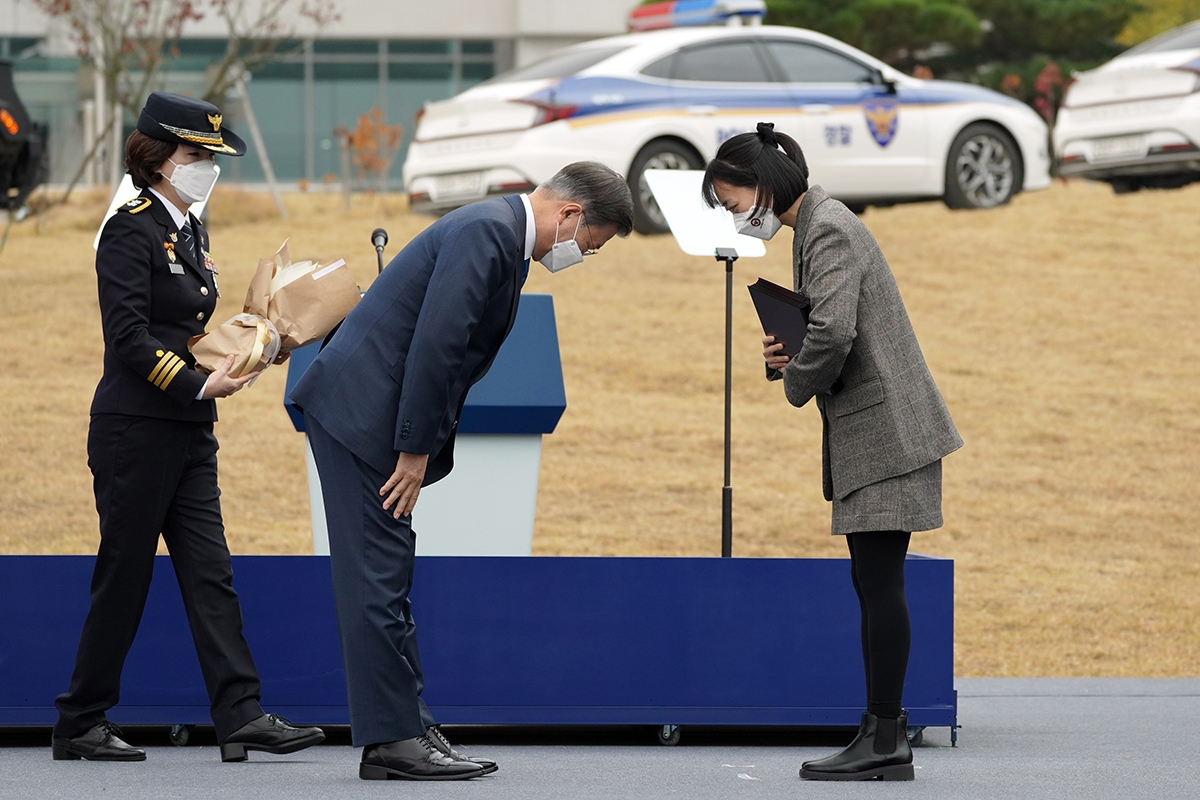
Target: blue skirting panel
700	641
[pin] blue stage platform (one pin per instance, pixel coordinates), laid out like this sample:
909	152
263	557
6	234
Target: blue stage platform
526	640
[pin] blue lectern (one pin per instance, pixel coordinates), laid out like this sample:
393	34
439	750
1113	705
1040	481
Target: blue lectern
497	453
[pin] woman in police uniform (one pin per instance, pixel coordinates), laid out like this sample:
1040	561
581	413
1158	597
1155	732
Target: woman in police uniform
152	451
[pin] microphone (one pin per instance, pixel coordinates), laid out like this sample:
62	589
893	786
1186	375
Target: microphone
379	238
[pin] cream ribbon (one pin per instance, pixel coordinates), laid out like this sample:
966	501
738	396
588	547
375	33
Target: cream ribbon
266	342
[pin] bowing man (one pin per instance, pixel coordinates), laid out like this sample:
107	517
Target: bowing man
381	403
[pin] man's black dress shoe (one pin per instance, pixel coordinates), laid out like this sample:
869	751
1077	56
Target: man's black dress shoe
416	759
270	733
434	732
101	743
880	750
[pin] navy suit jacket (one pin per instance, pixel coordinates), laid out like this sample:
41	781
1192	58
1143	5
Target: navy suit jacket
394	376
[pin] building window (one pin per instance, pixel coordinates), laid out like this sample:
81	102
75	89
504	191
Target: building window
335	82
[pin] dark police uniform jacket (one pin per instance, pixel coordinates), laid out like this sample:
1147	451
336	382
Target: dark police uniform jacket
394	377
154	296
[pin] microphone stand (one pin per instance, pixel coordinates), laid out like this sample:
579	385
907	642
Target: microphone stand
379	238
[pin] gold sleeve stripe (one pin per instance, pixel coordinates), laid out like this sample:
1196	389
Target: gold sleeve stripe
163	374
170	376
160	367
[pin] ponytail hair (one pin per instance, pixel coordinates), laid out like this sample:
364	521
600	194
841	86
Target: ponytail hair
769	162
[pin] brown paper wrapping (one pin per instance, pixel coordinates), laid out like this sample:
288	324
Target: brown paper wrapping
253	341
300	303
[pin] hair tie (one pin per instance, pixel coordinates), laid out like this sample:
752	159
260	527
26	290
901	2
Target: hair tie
766	132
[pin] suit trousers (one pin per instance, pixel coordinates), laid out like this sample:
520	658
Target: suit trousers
372	556
155	476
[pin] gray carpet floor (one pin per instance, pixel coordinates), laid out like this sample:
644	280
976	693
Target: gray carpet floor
1020	738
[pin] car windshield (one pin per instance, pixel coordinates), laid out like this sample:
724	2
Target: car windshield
1185	38
559	65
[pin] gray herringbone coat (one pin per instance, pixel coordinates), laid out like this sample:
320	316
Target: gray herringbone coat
888	417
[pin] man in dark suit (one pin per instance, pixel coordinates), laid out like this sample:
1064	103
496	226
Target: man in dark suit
381	403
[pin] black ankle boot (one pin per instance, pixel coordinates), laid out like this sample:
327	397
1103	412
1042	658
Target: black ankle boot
880	750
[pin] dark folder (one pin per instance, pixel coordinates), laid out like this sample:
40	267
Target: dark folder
782	312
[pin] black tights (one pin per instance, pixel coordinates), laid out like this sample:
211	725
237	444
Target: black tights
877	569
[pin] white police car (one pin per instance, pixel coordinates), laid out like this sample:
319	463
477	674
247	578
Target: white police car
669	98
1135	121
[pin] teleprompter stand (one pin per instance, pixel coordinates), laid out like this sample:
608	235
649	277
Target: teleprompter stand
703	231
728	255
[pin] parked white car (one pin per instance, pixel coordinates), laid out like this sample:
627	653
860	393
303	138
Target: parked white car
669	98
1135	121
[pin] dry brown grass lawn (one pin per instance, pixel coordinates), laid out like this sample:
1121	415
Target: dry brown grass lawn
1061	330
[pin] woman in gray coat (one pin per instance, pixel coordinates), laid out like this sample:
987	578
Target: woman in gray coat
885	426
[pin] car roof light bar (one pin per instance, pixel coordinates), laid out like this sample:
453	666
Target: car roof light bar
685	13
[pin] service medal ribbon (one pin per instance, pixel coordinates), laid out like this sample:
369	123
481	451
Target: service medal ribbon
208	262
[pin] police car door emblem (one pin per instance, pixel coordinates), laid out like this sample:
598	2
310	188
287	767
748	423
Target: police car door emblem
883	117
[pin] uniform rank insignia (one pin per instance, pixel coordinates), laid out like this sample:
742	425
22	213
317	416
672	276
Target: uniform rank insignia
137	204
883	117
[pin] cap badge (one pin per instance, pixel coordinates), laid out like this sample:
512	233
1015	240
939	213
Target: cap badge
215	121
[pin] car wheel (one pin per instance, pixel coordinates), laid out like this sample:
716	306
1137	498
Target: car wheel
661	154
983	168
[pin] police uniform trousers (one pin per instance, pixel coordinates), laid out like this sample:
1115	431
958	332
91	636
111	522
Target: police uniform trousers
155	476
372	556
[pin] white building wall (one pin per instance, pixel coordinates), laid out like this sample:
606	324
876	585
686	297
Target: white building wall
535	26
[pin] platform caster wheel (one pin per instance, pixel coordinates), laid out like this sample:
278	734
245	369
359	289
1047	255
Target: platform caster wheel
916	735
669	735
180	734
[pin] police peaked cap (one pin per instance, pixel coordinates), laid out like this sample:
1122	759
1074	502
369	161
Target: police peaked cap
187	120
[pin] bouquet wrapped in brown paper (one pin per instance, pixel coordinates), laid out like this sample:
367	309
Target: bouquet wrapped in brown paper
287	306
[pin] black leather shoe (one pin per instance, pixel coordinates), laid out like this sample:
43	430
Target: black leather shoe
101	743
880	750
270	733
416	759
434	732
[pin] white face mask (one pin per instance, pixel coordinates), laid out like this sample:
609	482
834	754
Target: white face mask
563	254
763	226
193	181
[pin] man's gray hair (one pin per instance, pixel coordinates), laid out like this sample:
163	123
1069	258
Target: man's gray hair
603	193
